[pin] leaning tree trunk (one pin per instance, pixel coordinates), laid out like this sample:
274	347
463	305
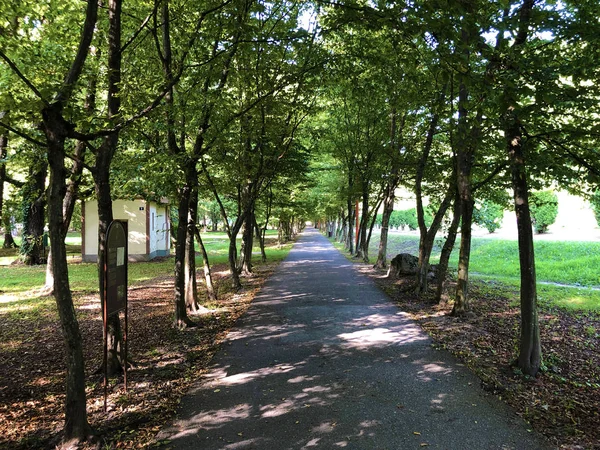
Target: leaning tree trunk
447	249
427	240
211	292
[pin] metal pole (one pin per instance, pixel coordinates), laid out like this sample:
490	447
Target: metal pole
126	360
105	330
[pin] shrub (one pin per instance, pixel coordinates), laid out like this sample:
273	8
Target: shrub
488	215
544	209
595	202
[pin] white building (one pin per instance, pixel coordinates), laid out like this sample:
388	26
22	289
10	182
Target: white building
148	228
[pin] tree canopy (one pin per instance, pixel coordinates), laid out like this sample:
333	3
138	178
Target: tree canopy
275	113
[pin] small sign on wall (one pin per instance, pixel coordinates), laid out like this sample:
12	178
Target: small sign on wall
141	208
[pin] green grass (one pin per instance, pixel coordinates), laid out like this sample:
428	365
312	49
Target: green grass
83	277
572	263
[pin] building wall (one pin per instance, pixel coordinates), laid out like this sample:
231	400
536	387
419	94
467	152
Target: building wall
132	211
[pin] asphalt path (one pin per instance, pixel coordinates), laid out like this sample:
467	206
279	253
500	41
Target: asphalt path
323	359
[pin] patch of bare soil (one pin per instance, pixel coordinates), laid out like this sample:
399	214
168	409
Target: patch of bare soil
166	364
563	401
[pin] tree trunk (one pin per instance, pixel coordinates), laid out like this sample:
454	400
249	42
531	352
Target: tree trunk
464	158
388	209
247	243
68	207
101	173
114	335
447	249
76	424
350	231
362	249
211	293
530	350
191	284
461	303
260	235
427	240
9	242
34	205
235	276
181	319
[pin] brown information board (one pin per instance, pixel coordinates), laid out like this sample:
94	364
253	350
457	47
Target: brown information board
115	288
116	267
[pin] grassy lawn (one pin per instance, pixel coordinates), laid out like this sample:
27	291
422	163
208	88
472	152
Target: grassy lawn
571	263
83	277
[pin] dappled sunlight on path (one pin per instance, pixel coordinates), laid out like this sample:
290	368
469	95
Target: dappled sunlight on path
323	360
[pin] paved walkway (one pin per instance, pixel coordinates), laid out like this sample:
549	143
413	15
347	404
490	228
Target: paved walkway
324	360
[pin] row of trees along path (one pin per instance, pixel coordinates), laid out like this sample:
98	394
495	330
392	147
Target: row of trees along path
263	114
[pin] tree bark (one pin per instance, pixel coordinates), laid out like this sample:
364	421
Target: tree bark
76	424
191	284
260	235
530	351
34	206
388	209
427	240
247	243
350	231
464	155
181	319
9	242
101	175
447	249
211	292
362	249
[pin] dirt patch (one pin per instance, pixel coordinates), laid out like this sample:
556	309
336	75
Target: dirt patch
562	402
167	362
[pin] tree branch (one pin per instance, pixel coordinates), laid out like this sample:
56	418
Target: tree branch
91	15
23	135
29	84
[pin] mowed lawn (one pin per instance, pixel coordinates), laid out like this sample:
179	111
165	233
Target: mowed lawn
568	272
83	277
